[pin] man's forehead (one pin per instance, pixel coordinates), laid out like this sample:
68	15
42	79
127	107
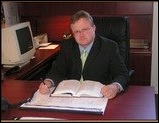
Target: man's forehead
83	22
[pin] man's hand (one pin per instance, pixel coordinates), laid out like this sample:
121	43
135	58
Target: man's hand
110	90
44	88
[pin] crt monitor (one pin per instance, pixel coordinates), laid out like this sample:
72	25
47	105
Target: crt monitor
17	45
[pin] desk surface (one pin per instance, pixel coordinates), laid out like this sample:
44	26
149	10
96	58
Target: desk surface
41	57
136	103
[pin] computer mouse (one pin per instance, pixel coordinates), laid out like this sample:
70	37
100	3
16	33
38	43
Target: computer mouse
4	104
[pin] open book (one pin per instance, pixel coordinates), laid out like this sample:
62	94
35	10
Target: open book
78	89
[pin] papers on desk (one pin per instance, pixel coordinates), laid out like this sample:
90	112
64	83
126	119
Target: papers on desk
52	46
38	118
79	104
44	44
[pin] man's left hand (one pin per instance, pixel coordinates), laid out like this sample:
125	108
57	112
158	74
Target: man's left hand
110	90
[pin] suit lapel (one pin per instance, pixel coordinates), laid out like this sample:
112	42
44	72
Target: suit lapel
92	54
77	64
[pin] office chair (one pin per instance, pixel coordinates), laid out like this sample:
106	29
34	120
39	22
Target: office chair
117	29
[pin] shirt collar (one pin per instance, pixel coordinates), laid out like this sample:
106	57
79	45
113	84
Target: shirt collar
88	48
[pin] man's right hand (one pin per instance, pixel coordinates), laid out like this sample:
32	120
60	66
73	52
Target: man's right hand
45	88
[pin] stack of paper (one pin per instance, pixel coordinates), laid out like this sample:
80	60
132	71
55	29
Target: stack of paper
81	104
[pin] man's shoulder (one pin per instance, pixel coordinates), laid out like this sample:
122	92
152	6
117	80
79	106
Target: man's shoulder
71	40
68	43
106	40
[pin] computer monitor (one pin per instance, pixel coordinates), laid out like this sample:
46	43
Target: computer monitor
17	45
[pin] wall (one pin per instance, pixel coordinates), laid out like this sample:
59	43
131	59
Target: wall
154	65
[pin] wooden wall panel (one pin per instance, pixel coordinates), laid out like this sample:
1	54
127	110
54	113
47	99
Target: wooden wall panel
135	8
141	63
54	26
140	14
141	26
66	8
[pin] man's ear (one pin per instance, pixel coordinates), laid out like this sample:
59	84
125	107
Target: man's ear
94	28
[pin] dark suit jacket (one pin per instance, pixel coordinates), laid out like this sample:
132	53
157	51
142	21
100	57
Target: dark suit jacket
103	63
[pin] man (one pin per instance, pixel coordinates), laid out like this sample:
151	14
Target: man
103	62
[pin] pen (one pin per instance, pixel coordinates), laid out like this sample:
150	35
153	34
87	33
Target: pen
44	82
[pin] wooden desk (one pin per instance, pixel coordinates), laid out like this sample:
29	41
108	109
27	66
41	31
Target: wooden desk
42	56
136	103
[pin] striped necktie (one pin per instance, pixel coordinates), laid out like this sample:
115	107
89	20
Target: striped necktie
83	59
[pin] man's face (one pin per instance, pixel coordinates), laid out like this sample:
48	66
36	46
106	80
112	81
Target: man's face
83	32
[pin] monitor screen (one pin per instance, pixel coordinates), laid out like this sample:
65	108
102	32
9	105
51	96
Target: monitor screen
24	39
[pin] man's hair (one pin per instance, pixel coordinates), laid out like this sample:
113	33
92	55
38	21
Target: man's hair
81	14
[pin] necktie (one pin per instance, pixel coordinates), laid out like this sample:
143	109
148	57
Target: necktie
83	59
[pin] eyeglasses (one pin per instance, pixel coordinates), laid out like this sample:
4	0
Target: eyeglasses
83	31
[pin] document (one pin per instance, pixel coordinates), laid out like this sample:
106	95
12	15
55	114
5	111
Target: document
52	46
77	104
77	89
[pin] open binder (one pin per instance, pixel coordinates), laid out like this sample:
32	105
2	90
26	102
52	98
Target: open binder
78	104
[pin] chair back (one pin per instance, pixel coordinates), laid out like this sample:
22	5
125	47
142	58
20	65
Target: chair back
117	29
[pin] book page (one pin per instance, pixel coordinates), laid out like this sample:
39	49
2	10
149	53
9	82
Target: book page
90	88
66	88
